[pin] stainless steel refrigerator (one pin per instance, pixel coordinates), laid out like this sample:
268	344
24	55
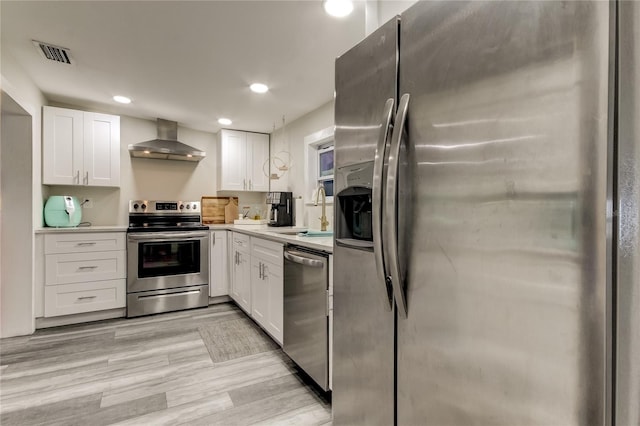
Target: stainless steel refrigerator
487	219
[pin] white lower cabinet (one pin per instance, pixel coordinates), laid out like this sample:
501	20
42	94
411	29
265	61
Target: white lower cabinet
259	293
267	286
241	271
84	272
257	281
66	268
218	266
67	299
274	279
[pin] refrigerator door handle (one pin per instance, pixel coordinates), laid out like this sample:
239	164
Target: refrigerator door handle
391	208
376	200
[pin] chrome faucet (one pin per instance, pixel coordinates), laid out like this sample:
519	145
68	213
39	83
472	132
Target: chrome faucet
323	219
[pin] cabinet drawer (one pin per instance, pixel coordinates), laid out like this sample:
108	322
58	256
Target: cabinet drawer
85	242
241	240
70	299
269	251
84	267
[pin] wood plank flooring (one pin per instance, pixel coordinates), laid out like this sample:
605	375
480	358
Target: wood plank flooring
152	370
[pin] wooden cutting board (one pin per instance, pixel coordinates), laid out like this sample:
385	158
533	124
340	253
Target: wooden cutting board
231	210
214	209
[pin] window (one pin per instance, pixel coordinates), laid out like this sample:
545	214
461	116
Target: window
325	168
319	166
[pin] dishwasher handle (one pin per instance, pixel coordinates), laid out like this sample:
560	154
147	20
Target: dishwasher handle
299	257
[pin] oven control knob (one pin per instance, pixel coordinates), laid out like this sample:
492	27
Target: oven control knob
188	206
144	206
135	206
194	206
181	206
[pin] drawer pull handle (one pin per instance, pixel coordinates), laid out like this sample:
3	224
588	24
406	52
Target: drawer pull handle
84	268
86	297
86	244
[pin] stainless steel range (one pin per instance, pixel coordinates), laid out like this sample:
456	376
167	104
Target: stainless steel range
167	257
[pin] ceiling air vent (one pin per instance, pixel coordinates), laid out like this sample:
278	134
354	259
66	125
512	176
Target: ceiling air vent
53	53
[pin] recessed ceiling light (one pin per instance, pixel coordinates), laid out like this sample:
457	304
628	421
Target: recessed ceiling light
224	121
259	88
122	99
338	8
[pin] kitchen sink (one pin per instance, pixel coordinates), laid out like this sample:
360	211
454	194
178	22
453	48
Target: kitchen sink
303	232
316	233
287	231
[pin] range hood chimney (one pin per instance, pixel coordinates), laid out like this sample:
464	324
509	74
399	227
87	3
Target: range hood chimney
166	146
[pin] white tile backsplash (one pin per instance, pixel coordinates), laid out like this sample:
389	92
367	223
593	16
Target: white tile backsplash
313	214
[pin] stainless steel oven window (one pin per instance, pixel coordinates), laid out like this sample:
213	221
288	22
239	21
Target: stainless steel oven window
163	258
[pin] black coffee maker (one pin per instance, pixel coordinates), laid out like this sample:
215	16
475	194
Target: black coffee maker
281	211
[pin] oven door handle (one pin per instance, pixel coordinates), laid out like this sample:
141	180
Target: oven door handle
158	236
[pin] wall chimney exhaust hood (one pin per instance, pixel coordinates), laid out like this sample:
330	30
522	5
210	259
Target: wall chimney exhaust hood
166	146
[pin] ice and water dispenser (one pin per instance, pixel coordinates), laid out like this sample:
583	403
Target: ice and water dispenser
353	222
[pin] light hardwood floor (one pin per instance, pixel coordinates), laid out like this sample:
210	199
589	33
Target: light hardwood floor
150	370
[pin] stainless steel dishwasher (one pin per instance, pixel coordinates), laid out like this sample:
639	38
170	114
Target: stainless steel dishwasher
306	311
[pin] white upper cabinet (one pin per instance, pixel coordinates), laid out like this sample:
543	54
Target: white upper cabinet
241	159
62	145
232	160
101	149
80	148
258	164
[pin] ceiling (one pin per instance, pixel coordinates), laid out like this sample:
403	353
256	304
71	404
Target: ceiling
190	62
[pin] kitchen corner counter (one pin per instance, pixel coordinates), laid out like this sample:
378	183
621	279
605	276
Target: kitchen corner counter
281	234
104	228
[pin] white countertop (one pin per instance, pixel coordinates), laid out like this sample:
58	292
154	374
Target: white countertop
282	235
279	234
105	228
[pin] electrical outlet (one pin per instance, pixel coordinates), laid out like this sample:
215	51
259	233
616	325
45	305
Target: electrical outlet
88	203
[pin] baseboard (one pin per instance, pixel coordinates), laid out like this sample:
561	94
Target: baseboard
102	315
219	299
80	318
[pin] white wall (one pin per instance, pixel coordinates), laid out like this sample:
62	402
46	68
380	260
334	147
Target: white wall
387	9
21	153
16	83
378	12
142	178
317	119
293	142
